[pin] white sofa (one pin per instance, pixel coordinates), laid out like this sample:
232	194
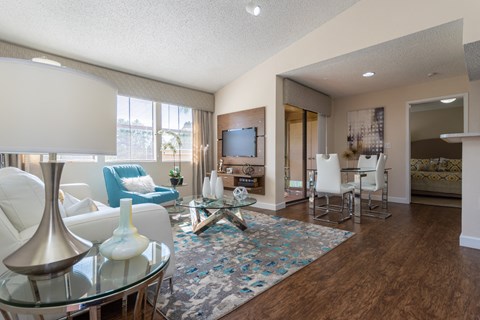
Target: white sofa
151	220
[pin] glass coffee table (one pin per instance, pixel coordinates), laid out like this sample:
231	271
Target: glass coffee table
92	282
205	212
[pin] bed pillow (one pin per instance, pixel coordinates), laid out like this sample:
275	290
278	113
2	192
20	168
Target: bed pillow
142	184
433	164
423	165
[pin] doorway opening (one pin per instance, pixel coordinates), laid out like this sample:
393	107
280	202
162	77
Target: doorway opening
435	165
301	147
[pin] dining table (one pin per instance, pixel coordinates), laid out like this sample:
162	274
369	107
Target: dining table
358	212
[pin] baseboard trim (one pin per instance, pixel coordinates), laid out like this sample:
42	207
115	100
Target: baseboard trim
469	242
270	206
377	197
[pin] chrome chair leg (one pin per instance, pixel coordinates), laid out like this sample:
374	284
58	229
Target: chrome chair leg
330	209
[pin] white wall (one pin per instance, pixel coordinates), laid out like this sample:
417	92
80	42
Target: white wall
92	174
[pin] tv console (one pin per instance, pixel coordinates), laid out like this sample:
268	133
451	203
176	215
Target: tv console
252	120
254	184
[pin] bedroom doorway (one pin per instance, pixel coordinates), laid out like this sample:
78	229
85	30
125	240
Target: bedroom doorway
435	165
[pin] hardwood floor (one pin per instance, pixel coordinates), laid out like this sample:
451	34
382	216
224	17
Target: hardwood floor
409	266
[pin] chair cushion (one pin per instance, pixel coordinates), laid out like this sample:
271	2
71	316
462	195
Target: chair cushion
22	198
141	184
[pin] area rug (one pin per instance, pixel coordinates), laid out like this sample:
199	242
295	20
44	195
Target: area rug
224	267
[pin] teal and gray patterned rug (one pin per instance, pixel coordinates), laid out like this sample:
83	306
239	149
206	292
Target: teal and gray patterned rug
224	267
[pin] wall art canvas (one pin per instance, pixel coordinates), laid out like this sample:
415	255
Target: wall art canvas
365	131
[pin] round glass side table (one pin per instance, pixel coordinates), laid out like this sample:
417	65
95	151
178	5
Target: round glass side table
92	282
176	208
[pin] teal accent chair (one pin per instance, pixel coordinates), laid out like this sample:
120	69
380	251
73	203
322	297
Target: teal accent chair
115	190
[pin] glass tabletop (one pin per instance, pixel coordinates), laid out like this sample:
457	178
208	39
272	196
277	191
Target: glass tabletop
227	202
92	278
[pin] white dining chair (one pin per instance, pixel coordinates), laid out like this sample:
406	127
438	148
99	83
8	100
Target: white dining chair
368	161
329	183
377	184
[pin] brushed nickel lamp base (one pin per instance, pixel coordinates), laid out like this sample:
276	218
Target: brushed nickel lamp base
53	249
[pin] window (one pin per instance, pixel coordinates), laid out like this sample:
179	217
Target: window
72	158
179	120
135	130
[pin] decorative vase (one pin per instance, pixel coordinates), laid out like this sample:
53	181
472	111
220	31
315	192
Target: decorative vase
213	181
206	187
219	188
174	181
125	243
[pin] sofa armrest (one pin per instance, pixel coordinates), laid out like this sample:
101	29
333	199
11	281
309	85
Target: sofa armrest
78	190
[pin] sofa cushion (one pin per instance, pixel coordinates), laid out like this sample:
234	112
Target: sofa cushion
74	206
141	184
22	198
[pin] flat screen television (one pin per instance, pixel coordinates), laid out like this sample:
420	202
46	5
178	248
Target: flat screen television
239	142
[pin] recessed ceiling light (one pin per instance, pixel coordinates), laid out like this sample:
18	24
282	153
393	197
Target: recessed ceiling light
253	8
368	74
448	100
47	61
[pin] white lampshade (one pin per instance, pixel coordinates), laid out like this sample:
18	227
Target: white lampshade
50	109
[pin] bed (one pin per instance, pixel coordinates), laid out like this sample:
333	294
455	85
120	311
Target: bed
436	168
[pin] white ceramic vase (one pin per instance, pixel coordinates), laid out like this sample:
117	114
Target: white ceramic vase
125	243
206	187
213	181
219	188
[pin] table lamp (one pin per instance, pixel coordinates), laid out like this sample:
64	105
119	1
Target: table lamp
53	109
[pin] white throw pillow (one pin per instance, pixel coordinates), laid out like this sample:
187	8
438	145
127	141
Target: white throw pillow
83	206
142	184
22	198
74	206
69	200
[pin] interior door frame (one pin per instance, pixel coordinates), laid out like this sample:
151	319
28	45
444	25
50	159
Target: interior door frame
408	146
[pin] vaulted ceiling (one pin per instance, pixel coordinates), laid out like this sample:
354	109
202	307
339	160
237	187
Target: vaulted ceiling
206	44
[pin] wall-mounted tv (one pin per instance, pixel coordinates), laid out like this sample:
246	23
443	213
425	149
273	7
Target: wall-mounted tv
239	142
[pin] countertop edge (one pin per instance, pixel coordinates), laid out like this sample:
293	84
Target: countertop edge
459	137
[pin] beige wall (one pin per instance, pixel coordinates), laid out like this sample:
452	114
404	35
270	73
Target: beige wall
430	124
474	107
395	102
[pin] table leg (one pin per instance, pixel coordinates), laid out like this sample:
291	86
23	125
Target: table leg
95	313
124	307
138	312
155	297
199	225
210	218
385	193
236	218
6	315
358	204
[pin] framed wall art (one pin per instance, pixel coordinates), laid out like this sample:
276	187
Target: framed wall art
365	131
